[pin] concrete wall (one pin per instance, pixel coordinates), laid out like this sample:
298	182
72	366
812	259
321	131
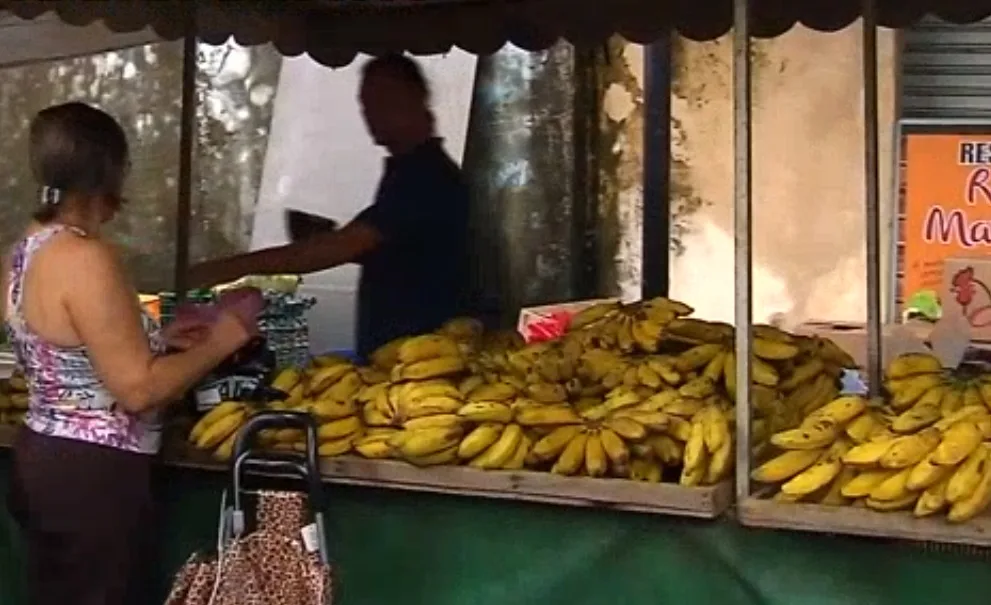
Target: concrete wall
809	228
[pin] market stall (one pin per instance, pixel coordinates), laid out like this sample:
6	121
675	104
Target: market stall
641	463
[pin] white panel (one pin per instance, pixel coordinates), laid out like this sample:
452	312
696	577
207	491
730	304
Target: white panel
320	159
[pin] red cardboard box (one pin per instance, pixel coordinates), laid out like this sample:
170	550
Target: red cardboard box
548	322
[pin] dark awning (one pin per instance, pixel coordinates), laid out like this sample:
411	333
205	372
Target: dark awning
333	31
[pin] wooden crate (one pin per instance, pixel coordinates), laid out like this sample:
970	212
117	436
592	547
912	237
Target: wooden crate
757	512
527	486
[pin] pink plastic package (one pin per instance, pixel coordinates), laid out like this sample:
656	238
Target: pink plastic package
246	303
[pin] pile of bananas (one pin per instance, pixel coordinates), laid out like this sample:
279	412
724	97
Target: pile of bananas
928	449
639	391
328	390
13	399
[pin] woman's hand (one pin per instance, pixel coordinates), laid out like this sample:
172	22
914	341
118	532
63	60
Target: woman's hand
182	335
230	332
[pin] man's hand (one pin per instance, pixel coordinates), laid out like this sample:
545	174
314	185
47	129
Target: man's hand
213	272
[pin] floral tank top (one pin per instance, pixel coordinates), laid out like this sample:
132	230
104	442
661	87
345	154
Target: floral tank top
67	397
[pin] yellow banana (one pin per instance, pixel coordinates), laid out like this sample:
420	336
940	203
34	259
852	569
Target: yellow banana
498	391
839	411
332	409
932	500
337	429
427	347
551	445
785	465
430	406
951	402
720	463
486	411
547	415
416	444
863	427
225	450
907	391
764	373
967	477
432	368
834	497
497	454
435	421
802	374
596	462
927	473
437	387
774	350
374	446
666	449
614	447
479	440
645	470
627	428
387	355
469	384
894	487
902	503
729	374
916	417
697	357
546	392
444	456
324	378
958	441
866	482
679	428
215	433
287	379
909	450
912	364
518	459
977	502
972	396
337	447
819	474
221	410
812	437
572	457
971	414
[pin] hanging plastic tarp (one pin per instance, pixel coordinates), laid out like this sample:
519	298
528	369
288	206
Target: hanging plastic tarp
334	31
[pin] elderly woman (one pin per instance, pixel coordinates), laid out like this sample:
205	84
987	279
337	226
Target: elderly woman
95	365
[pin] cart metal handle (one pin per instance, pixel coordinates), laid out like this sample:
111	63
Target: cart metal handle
304	466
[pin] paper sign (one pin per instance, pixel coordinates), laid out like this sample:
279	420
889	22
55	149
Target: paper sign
947	212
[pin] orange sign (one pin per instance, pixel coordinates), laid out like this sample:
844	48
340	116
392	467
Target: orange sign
947	180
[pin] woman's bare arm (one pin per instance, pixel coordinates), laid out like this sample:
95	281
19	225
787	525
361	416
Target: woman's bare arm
106	316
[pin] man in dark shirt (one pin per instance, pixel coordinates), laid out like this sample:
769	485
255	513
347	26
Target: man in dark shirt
411	242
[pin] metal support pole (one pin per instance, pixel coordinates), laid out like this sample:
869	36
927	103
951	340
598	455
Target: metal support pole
742	227
656	230
187	143
872	197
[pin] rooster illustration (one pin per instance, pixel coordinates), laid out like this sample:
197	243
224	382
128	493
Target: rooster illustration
964	287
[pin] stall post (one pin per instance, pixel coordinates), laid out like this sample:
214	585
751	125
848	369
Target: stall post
187	128
742	221
872	197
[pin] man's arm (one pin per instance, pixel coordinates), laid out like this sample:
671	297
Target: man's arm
317	253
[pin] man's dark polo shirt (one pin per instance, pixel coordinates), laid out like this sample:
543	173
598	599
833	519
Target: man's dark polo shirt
415	280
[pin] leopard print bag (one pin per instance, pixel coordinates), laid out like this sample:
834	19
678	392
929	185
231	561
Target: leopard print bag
268	566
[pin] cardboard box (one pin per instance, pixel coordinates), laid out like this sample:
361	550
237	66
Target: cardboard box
852	336
548	322
966	295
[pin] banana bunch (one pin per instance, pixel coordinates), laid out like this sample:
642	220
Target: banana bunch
922	459
217	430
13	399
414	420
636	327
919	380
